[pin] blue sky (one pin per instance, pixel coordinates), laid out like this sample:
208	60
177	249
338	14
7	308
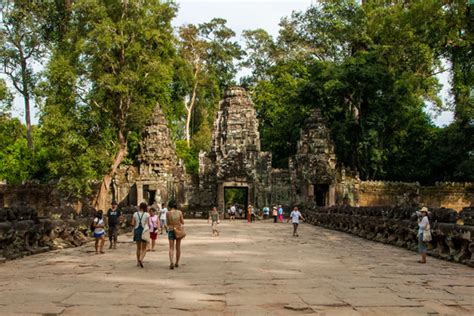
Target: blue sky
243	15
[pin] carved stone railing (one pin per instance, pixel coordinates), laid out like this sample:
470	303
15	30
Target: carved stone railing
23	232
398	226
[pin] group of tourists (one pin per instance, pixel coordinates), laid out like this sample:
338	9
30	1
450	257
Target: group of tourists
147	223
112	220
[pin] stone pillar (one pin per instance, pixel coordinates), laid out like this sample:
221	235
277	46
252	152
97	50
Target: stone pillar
220	197
332	195
139	193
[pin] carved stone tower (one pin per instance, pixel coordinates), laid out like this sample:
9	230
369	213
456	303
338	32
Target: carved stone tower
159	169
235	156
313	168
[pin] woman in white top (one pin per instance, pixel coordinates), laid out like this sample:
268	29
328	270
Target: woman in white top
163	212
140	223
99	232
423	224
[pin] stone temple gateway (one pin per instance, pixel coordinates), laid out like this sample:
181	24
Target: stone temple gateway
235	160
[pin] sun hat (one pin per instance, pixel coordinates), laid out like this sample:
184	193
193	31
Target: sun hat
424	209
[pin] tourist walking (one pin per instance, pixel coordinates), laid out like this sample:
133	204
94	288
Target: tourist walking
214	217
275	214
424	233
280	213
140	226
175	221
233	210
163	212
295	216
154	224
113	219
99	232
266	212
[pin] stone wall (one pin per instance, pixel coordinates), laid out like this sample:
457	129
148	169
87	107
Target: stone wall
23	232
398	226
442	194
36	196
281	188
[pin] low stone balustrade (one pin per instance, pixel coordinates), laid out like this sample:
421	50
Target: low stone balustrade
23	232
398	226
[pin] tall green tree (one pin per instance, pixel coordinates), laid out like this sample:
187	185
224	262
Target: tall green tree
210	53
6	98
113	66
370	67
21	47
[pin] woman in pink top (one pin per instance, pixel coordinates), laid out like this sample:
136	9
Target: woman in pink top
154	224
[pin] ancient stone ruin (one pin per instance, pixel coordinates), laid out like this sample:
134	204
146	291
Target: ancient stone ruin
331	195
235	159
398	226
159	175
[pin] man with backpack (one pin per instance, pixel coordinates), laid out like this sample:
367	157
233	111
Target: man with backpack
113	219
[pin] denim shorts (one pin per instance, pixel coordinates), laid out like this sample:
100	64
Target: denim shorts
171	235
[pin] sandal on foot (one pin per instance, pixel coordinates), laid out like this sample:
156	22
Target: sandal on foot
171	266
420	261
141	264
176	265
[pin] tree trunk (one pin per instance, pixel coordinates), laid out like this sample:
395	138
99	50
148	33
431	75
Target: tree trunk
28	122
100	202
189	112
26	97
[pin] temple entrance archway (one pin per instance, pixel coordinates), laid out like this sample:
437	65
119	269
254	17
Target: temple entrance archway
245	190
321	194
237	196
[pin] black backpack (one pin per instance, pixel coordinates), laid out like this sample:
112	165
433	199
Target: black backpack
92	226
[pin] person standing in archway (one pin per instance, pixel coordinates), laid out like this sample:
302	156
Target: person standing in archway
232	213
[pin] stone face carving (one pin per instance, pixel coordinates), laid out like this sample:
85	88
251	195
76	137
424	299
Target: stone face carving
235	158
157	156
236	140
160	175
313	168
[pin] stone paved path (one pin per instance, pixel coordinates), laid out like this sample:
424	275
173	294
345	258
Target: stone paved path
251	269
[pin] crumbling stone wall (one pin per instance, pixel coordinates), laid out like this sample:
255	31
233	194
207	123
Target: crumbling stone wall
23	232
35	196
281	188
442	194
398	226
